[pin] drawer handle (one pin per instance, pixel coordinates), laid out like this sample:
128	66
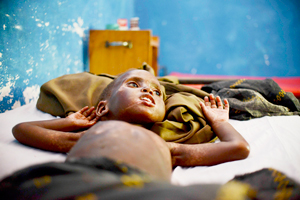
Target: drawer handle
127	44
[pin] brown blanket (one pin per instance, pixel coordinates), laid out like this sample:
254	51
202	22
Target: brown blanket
184	121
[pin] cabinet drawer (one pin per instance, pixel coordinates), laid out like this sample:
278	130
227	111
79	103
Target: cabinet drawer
108	55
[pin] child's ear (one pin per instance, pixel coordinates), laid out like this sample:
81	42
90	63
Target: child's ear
102	108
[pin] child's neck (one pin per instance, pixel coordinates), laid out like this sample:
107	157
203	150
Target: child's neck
146	126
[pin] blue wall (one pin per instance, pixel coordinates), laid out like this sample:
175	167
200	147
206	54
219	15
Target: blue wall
41	40
233	37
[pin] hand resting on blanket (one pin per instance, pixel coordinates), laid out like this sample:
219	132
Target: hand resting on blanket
232	146
135	97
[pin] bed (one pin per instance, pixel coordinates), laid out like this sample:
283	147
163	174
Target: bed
274	143
274	140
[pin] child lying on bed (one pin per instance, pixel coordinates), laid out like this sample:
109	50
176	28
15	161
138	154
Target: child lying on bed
135	97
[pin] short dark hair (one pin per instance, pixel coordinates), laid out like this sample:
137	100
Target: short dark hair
106	93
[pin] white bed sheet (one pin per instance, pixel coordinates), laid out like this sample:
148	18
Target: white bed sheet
13	155
274	143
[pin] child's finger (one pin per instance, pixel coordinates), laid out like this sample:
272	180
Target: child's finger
206	101
92	115
95	119
219	102
82	110
89	111
212	101
202	105
226	103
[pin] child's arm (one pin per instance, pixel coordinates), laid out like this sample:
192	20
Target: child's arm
232	146
56	135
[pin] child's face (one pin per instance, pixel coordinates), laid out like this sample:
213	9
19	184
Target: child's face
137	98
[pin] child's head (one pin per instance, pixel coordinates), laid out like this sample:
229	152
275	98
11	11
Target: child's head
135	97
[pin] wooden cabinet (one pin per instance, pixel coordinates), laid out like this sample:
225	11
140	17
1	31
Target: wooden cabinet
114	52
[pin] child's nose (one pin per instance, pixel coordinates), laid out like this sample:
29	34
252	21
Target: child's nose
146	89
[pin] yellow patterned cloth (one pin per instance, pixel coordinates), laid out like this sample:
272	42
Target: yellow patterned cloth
92	179
103	178
262	184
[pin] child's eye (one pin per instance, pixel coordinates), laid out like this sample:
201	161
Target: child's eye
157	93
133	84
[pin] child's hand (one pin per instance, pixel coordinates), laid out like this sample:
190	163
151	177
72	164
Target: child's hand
214	111
84	118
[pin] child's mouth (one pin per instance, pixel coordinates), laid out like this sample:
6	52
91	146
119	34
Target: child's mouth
148	100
